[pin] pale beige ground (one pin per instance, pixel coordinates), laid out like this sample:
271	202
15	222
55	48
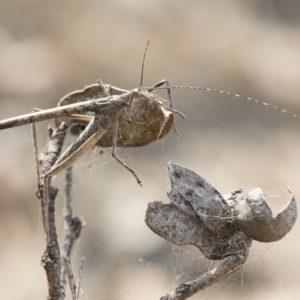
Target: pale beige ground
50	48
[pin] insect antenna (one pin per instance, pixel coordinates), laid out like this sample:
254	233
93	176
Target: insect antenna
230	94
143	64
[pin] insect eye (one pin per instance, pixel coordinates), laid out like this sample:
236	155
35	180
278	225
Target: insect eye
76	129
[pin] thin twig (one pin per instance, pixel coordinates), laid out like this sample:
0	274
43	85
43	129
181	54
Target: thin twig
78	286
51	258
70	276
75	288
229	265
35	150
73	225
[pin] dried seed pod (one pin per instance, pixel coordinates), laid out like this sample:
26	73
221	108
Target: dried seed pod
143	122
194	195
179	228
254	217
200	216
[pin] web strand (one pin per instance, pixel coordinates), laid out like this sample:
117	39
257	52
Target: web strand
230	94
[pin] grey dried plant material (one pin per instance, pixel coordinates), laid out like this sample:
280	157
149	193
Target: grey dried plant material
254	217
222	228
181	229
141	123
195	196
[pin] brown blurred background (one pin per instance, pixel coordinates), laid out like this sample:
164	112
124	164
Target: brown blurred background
50	48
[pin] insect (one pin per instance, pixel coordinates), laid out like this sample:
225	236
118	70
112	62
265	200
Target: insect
220	227
120	118
108	116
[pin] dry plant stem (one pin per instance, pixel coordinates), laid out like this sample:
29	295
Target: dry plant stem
46	160
70	275
51	258
75	288
35	150
72	227
78	286
186	290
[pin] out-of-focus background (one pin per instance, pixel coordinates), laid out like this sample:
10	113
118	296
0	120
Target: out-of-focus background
50	48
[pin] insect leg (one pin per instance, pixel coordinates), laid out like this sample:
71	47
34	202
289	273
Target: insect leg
103	88
160	84
87	139
113	151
